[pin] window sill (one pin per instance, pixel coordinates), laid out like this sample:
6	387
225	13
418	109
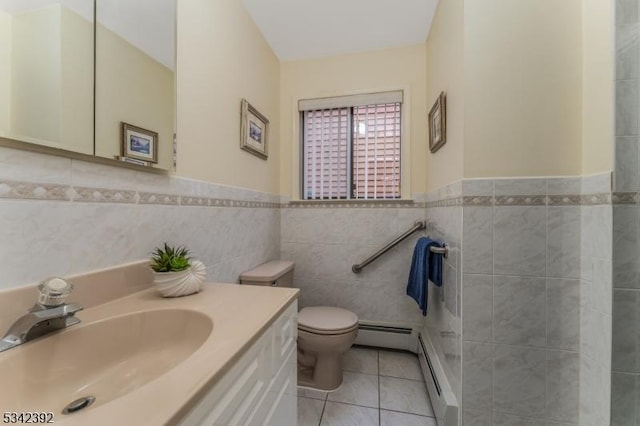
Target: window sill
355	203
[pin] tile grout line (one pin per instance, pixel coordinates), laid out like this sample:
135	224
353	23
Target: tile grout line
493	304
379	408
351	404
546	310
324	406
405	412
373	408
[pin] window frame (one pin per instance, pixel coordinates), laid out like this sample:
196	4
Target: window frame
293	177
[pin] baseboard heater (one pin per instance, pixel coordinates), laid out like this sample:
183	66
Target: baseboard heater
443	400
386	336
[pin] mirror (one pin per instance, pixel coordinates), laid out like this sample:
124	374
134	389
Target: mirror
46	73
48	70
135	78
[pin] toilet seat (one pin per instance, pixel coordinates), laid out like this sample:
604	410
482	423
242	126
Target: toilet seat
327	320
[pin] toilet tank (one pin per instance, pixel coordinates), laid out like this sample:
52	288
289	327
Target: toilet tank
275	273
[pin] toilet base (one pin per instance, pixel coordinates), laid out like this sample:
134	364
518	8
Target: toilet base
305	387
325	375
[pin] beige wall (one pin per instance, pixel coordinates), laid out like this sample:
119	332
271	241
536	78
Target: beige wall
523	90
5	71
598	86
445	72
134	88
400	68
222	58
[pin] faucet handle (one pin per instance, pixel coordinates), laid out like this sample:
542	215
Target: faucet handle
54	291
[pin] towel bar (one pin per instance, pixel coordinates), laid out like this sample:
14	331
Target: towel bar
440	250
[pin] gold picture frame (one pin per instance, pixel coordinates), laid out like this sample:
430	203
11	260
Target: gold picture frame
254	131
139	143
438	123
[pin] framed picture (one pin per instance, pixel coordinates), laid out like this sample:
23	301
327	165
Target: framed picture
139	143
438	123
254	131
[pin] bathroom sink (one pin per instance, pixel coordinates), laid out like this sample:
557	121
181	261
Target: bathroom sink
104	359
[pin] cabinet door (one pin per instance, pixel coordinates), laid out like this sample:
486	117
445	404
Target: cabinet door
260	389
280	402
285	333
232	400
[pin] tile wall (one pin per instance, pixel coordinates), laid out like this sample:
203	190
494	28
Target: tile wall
326	238
521	294
61	216
522	322
508	321
625	363
595	308
444	316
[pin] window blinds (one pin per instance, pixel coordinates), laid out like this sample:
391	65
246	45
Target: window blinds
351	147
326	153
376	151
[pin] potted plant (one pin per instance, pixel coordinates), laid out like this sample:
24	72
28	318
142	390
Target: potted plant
174	273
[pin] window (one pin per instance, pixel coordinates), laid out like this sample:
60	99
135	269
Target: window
351	147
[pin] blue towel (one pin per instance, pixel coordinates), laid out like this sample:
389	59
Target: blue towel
425	266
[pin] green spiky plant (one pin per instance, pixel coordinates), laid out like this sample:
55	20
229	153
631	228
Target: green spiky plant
170	259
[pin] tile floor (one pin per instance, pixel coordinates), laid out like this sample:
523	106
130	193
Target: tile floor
380	388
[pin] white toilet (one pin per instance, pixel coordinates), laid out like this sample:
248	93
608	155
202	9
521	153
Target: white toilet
324	333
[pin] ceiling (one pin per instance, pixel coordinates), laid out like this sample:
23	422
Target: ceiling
303	29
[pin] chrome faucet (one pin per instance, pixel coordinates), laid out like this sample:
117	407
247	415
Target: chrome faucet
46	316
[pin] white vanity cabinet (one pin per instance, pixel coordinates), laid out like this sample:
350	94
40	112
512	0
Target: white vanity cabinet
260	388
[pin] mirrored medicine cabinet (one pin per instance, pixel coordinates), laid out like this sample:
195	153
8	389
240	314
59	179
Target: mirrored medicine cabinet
73	71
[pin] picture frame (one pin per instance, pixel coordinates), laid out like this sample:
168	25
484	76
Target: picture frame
139	143
438	123
254	131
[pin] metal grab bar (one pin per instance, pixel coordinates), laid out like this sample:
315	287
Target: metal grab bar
417	226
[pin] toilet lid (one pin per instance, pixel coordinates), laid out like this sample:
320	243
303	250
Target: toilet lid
322	319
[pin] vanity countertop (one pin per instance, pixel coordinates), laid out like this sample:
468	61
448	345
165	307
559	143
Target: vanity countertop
240	313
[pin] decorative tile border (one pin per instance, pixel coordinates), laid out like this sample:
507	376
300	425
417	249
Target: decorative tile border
478	201
538	200
33	191
520	200
14	190
564	200
482	192
93	195
194	201
155	198
447	202
596	199
625	197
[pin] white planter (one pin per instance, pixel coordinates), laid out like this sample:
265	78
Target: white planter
182	283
